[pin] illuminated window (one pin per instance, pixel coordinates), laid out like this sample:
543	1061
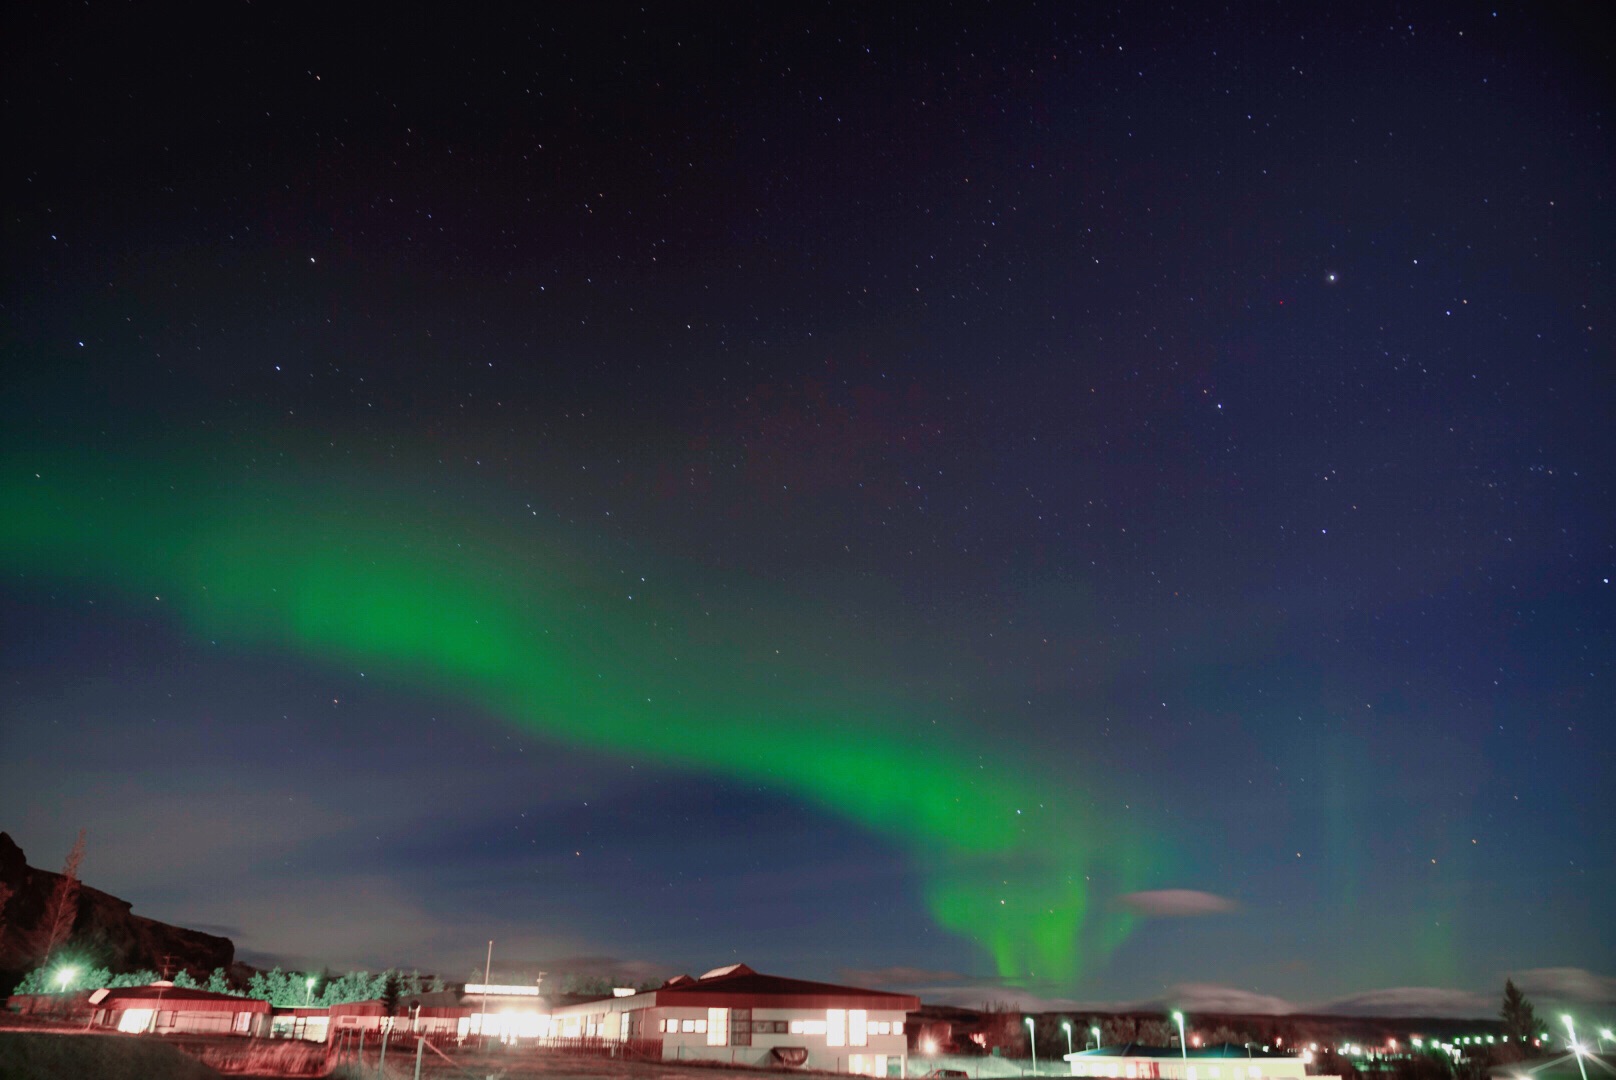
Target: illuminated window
897	1027
1213	1072
243	1021
687	1026
835	1027
1192	1072
1254	1071
858	1029
717	1027
135	1020
1133	1071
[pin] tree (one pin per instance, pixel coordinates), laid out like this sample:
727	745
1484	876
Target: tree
183	981
62	910
219	982
391	988
1520	1020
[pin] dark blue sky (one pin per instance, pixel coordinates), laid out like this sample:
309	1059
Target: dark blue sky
1210	407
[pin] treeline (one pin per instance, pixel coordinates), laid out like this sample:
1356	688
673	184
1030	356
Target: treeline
55	979
284	988
289	988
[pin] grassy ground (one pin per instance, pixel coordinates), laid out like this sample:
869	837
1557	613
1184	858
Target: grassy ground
40	1055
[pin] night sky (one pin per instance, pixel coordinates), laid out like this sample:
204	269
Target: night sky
1057	503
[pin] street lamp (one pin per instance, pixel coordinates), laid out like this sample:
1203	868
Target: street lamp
1096	1037
1604	1033
1183	1047
308	990
1575	1049
64	977
1066	1026
1032	1034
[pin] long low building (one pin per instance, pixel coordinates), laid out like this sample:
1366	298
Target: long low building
1224	1062
735	1014
165	1009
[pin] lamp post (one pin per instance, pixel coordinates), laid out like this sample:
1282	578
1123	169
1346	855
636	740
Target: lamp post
1066	1026
308	991
1604	1033
1032	1034
1096	1031
1183	1047
1575	1049
64	977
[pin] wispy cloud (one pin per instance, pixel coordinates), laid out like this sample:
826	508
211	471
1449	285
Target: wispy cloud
1215	998
907	977
1425	1001
1567	984
1177	903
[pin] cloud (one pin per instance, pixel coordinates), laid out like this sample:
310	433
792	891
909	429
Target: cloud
906	977
1567	984
1413	1001
1213	998
1177	903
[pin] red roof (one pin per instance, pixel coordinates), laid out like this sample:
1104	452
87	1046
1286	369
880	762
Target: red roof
180	999
740	988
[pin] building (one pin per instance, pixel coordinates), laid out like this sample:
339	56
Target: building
164	1009
1224	1062
734	1014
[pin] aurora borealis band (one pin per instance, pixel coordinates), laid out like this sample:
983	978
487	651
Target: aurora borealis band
1034	503
346	575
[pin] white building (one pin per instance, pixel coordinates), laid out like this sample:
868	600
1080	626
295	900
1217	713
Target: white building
734	1014
1226	1062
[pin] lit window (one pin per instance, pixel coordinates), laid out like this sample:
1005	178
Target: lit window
701	1027
1192	1073
1254	1071
897	1027
1133	1071
717	1027
858	1029
835	1027
687	1026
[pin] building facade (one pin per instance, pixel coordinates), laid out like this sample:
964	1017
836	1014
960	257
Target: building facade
734	1014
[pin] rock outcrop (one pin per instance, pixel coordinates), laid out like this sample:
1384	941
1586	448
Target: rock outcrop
106	932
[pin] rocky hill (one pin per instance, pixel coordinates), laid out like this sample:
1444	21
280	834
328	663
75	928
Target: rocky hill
106	931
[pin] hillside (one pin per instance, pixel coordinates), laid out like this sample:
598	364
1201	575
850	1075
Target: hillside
106	931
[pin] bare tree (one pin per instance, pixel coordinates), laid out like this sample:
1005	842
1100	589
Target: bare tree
62	910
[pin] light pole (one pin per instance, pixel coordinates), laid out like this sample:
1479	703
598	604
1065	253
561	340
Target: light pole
1096	1031
1575	1049
1032	1034
308	991
1066	1026
64	977
1183	1047
1604	1033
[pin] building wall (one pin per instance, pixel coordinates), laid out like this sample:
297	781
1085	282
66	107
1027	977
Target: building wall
1126	1068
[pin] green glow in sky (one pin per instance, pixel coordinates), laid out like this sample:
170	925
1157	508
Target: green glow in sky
424	592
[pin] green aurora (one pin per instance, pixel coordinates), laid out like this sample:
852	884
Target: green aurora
429	592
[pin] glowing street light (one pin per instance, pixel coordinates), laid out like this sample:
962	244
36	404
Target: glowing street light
1032	1034
308	990
1575	1049
1096	1037
1066	1026
65	976
1183	1047
1604	1033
